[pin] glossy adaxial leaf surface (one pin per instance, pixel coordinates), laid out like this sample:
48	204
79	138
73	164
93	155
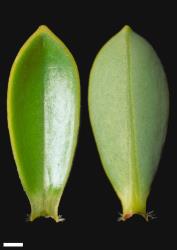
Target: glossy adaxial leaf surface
128	106
43	119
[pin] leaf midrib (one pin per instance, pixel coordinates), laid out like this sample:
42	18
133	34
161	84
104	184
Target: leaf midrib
133	167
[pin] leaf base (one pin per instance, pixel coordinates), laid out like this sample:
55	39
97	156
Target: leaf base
46	207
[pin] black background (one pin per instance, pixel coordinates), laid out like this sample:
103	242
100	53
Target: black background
89	203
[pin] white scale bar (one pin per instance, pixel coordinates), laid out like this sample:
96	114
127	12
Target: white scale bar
19	244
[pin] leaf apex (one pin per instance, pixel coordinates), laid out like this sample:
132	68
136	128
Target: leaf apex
43	28
126	29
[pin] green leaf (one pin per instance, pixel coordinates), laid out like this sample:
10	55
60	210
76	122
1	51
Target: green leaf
128	106
43	118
